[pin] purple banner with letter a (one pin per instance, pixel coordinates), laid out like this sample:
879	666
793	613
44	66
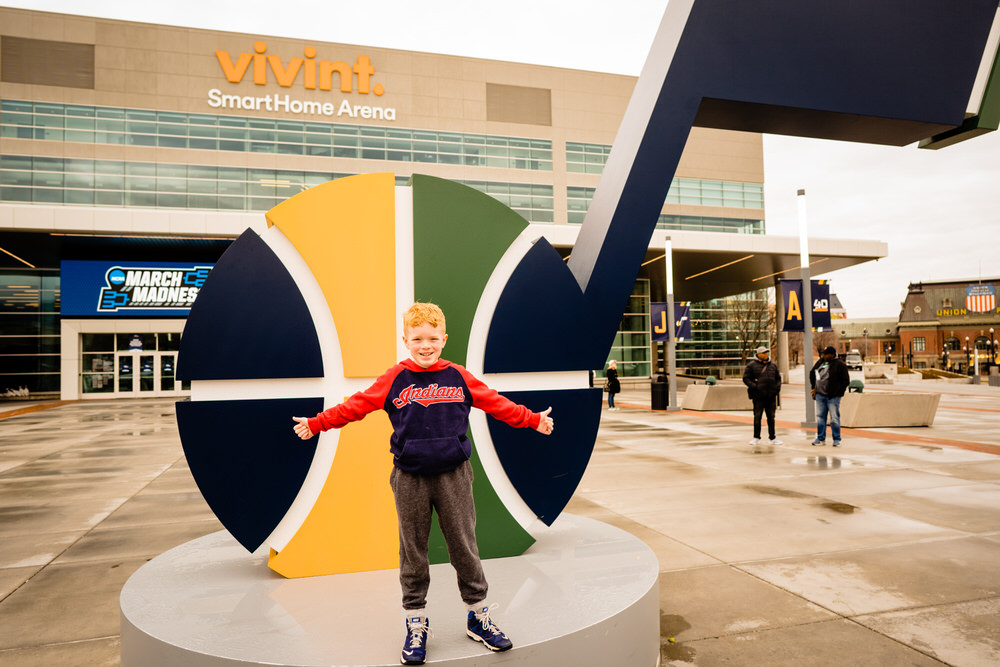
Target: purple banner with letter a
682	325
791	292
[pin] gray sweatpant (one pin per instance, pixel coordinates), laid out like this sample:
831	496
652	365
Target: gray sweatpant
450	494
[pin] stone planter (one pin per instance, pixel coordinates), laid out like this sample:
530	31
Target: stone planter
716	397
888	409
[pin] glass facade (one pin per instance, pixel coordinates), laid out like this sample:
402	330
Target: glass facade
590	159
29	331
631	348
49	121
715	346
578	201
51	180
716	327
532	201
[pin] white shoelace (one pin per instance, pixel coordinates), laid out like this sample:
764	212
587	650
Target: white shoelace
418	632
484	619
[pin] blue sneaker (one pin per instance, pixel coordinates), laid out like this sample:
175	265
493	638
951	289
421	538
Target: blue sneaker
415	646
818	442
483	629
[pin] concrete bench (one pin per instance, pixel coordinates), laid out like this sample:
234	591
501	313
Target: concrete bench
716	397
888	409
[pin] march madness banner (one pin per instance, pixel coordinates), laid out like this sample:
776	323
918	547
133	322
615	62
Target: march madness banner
117	289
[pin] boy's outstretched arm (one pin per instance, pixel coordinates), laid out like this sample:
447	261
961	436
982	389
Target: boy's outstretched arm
545	424
301	428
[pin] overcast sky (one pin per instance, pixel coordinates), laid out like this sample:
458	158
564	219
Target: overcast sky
939	211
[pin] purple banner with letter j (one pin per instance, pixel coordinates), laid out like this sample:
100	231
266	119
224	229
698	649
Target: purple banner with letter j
682	325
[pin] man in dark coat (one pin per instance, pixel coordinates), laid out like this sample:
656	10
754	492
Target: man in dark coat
829	379
763	381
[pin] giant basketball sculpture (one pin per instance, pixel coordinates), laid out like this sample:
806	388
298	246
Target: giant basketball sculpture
312	305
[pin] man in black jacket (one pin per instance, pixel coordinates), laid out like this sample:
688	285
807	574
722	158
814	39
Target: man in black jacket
829	379
763	381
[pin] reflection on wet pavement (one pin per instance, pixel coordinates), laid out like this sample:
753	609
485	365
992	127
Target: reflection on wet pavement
763	550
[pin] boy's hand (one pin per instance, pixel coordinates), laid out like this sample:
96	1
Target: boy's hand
545	424
301	428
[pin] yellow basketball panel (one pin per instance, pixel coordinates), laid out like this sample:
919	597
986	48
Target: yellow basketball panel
345	231
352	526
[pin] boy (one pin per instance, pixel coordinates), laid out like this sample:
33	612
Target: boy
428	401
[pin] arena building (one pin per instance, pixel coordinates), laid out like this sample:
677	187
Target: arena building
132	154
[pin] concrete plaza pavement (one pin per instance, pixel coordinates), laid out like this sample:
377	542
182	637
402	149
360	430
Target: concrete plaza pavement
884	551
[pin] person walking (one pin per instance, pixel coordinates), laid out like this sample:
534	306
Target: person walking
763	381
612	385
829	379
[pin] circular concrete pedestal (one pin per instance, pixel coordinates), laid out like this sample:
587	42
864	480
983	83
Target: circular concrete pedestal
584	594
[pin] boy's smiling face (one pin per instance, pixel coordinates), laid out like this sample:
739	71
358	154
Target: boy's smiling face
425	343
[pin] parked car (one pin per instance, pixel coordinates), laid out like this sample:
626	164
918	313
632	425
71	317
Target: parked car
853	361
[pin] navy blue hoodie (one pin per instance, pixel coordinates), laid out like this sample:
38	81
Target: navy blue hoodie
429	410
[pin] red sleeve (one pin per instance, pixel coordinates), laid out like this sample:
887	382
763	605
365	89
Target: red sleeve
357	406
492	403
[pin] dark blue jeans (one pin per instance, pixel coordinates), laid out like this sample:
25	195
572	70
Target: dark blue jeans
827	405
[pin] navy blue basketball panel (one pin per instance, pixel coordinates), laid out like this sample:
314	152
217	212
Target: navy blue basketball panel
248	463
912	61
541	314
546	469
249	321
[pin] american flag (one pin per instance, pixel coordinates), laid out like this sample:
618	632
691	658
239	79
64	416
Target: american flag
980	298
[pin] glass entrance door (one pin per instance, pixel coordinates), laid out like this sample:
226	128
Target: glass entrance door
121	365
137	372
167	382
126	373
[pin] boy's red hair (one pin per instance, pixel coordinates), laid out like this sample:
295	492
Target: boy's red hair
419	313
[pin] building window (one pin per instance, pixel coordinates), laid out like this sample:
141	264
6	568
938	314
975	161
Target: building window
590	159
161	185
532	201
586	158
919	344
578	201
951	343
718	327
169	129
631	347
946	302
29	331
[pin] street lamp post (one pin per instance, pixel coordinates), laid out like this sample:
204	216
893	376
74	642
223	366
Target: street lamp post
967	355
864	333
992	351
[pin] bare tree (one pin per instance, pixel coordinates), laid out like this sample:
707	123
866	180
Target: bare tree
820	340
751	319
